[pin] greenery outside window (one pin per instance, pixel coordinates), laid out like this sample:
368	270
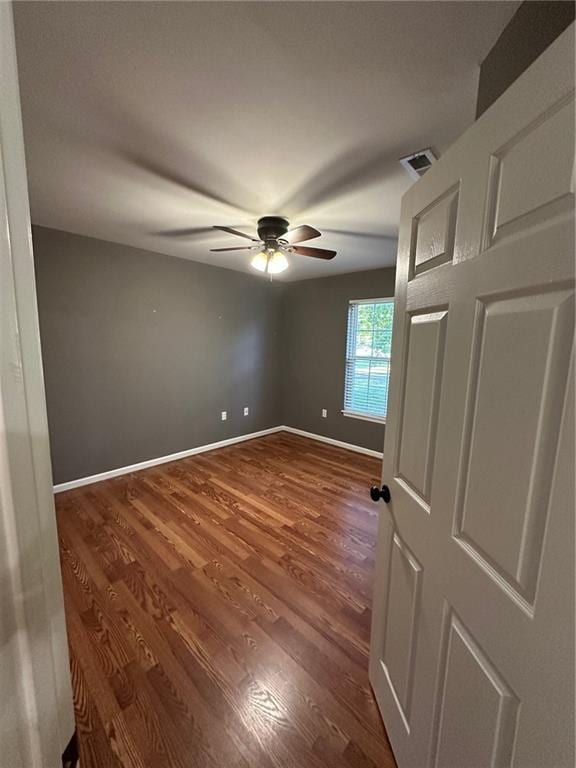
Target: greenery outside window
368	344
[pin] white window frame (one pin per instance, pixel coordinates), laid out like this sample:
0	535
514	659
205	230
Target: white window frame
346	411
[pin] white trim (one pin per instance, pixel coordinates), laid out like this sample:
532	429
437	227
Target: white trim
34	662
380	300
332	441
364	417
203	449
160	460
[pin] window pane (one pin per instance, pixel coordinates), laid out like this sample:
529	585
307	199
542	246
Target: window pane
383	314
378	389
365	317
364	343
359	391
381	344
368	357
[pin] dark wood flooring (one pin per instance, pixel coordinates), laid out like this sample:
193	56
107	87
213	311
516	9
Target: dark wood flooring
218	610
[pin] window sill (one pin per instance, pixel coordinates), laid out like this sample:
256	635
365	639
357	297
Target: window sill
364	417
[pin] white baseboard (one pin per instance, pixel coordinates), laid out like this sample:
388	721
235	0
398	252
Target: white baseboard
332	441
161	460
202	449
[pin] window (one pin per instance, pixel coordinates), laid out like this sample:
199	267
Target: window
368	345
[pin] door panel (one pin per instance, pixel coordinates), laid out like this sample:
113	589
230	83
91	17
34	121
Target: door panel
402	617
434	232
470	683
472	650
423	379
530	172
517	398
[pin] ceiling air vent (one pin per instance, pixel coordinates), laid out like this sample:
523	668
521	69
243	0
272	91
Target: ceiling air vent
418	163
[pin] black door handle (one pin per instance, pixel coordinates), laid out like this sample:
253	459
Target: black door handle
380	493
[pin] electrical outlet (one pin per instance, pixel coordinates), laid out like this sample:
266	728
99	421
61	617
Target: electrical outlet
246	411
324	413
224	415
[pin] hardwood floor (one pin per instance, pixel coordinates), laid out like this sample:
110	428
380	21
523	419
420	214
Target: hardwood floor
218	610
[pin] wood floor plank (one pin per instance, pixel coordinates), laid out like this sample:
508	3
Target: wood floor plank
219	610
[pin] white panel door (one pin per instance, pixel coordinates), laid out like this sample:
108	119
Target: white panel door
472	654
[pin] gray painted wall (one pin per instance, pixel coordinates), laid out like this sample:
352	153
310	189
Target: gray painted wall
535	25
314	318
142	352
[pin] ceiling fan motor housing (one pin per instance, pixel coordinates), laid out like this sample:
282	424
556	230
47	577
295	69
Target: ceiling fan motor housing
271	228
274	235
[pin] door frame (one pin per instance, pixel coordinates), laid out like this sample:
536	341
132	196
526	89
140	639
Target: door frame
34	664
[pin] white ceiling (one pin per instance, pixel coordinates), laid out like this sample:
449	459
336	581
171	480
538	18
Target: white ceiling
142	118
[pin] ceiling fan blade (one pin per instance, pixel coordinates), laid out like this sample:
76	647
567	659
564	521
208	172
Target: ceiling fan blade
317	253
236	248
236	232
299	234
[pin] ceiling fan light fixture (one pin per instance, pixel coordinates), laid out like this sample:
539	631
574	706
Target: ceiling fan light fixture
272	262
260	261
277	263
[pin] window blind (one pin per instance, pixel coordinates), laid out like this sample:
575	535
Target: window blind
368	344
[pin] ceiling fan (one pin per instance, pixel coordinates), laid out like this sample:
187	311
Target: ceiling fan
273	241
